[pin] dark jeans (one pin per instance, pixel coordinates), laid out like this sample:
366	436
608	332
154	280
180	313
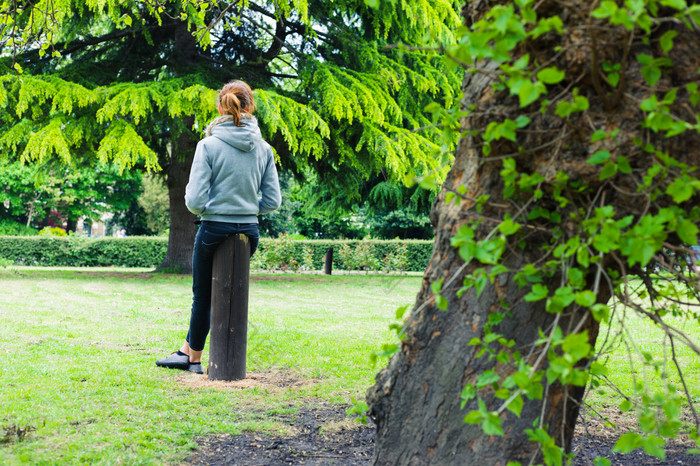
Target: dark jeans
209	236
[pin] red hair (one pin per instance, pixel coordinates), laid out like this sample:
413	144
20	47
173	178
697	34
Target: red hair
235	98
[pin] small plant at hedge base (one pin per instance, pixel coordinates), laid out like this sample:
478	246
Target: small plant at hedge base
360	258
364	257
346	257
307	258
396	261
280	254
52	231
259	260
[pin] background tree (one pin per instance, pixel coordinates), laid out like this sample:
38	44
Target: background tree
130	82
32	194
576	177
154	203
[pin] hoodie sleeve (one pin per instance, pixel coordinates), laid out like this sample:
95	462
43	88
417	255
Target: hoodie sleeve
197	190
269	187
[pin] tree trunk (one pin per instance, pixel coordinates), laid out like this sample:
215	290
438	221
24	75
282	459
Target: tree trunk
416	400
182	228
71	224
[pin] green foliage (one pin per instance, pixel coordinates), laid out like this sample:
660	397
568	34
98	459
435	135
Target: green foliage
361	257
12	228
282	253
77	251
331	96
397	261
32	193
364	255
155	203
52	231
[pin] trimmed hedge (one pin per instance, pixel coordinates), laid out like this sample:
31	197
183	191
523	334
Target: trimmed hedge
80	251
418	252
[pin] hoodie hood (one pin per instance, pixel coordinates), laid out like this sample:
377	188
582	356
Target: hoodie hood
243	138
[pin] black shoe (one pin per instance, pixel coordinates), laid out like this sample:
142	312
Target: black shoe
196	367
176	360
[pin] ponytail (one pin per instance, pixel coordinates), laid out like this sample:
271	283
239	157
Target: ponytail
236	98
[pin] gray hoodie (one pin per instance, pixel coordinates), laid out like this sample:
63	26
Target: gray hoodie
231	166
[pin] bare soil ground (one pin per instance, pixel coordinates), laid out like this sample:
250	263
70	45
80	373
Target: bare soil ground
322	434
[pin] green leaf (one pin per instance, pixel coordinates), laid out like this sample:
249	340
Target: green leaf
600	156
651	74
508	227
583	257
491	425
474	417
522	121
468	393
528	93
680	190
585	298
600	461
677	4
600	312
516	405
666	40
598	135
487	378
551	75
687	231
654	445
606	9
627	442
538	292
623	164
576	345
609	170
625	406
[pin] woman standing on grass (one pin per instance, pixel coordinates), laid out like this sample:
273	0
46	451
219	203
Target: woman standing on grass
231	166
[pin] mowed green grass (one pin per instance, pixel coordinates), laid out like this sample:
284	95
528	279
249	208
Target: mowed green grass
644	358
78	350
78	353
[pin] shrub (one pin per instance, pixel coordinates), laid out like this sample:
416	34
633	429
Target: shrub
84	252
282	253
396	261
12	228
52	231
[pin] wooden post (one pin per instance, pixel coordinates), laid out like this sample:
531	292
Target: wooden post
328	265
229	309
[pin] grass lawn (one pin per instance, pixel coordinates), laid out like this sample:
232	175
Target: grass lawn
646	359
80	385
78	348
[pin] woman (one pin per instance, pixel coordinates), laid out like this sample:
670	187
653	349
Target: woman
231	166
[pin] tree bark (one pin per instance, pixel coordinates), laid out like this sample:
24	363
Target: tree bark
416	399
182	228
